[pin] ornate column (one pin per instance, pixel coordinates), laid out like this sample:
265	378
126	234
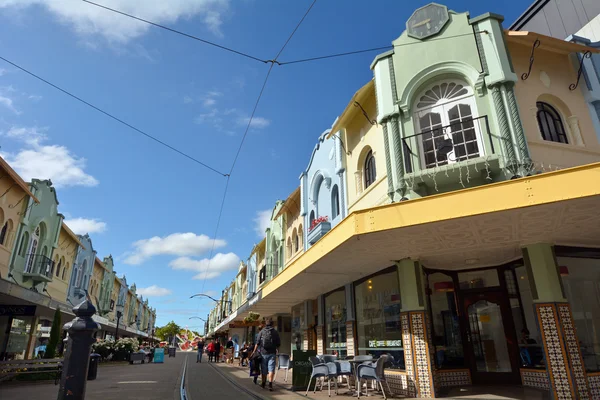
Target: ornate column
77	356
513	108
388	160
507	142
416	331
564	363
399	183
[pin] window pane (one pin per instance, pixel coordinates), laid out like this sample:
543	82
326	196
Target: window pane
526	325
298	327
581	281
335	322
378	317
446	329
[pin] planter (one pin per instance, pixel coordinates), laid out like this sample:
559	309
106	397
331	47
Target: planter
318	231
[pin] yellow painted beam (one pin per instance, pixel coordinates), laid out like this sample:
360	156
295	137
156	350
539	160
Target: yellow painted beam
566	184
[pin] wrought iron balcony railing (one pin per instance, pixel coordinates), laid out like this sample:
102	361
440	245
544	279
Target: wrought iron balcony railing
38	267
459	141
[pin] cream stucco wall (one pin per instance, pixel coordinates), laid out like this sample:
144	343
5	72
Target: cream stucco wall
359	136
293	227
9	212
114	296
63	257
549	81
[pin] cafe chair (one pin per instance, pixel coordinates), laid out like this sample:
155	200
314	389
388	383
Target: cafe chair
369	373
319	370
344	369
283	362
327	358
332	375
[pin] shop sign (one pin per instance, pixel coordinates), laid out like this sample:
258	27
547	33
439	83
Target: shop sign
302	368
338	345
385	343
11	310
159	355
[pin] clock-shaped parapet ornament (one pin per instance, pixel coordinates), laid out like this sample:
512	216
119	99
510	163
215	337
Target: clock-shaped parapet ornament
427	21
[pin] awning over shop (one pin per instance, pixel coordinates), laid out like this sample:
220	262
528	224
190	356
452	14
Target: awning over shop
475	227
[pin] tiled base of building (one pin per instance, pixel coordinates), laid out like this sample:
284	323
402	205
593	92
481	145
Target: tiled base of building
594	382
453	378
350	338
320	344
397	382
535	378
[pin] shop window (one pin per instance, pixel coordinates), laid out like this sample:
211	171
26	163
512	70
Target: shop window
370	172
550	123
298	327
335	323
6	228
335	202
525	320
447	338
581	281
378	327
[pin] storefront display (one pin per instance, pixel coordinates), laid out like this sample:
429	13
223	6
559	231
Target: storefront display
335	323
298	327
378	317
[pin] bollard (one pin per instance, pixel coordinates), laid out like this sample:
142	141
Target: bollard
77	355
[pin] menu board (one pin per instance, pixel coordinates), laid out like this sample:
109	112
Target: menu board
159	355
302	368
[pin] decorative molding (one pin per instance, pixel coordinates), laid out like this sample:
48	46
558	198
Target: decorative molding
350	341
388	159
594	384
535	378
399	182
524	156
511	159
573	122
453	378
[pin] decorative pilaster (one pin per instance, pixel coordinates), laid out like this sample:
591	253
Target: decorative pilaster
507	142
573	122
399	183
524	156
306	342
388	161
350	339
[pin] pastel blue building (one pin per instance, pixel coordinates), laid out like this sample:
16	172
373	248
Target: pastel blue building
323	190
82	270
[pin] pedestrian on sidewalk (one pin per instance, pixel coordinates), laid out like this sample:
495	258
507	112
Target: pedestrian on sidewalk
268	342
211	351
217	350
200	351
254	361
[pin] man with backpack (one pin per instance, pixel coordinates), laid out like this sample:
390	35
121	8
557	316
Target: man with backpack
268	342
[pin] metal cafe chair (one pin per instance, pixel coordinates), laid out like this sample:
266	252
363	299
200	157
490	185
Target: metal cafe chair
319	370
283	362
369	373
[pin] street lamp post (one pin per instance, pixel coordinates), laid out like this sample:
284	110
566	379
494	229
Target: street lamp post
120	309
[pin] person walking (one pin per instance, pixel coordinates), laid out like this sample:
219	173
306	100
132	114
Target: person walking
217	350
268	342
211	351
200	351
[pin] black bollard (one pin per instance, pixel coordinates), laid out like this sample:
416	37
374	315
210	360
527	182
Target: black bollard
77	355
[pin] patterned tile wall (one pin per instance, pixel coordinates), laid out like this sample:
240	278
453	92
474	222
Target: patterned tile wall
535	378
350	338
594	381
560	378
306	339
408	354
422	359
573	351
452	378
398	383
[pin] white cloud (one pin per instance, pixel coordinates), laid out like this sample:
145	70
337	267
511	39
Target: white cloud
207	269
81	226
257	122
35	97
178	244
89	20
153	291
187	100
2	71
46	161
8	102
262	221
209	102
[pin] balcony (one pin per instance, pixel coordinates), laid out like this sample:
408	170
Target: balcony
38	268
262	275
464	153
319	227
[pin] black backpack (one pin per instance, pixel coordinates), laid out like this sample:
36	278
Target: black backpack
268	340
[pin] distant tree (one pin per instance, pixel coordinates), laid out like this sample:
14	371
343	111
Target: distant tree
54	336
168	331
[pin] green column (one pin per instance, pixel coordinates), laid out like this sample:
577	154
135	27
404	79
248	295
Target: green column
388	161
399	183
564	363
513	108
507	142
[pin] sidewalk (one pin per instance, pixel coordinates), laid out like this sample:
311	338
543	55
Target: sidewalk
114	382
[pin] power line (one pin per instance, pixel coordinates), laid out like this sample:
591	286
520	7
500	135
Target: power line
237	154
113	117
389	47
178	32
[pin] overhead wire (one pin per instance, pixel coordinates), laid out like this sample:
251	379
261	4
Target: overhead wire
233	164
114	117
178	32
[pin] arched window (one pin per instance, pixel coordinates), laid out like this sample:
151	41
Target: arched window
295	239
58	268
370	173
444	123
289	248
300	237
65	269
550	123
311	218
80	277
335	201
4	232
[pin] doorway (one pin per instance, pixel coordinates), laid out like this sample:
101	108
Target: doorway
491	346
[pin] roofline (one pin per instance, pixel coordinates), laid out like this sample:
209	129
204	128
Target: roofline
350	107
73	235
529	13
17	178
296	192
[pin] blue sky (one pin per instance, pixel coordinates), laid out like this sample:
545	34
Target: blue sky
152	209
